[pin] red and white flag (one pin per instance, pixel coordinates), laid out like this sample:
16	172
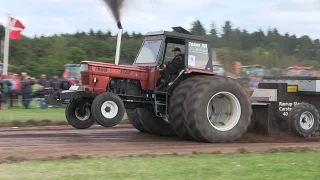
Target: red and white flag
13	31
15	28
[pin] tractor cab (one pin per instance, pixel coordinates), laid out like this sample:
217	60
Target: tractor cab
219	69
299	71
72	71
252	70
157	49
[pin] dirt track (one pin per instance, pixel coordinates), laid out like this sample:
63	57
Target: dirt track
54	142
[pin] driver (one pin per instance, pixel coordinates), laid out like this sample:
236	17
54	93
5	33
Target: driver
173	67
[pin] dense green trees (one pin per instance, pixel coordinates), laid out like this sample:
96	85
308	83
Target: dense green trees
272	49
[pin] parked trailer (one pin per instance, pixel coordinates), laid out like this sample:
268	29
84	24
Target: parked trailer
287	103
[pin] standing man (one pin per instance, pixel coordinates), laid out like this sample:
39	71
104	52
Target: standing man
55	84
43	81
26	91
13	90
65	84
18	89
5	91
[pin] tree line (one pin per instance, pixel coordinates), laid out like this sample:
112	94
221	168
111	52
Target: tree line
41	54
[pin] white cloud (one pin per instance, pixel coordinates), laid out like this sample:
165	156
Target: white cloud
291	17
58	16
303	1
182	4
2	21
61	1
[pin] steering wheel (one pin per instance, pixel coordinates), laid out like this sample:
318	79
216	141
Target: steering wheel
160	67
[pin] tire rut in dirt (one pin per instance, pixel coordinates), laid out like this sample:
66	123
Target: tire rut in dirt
195	111
175	108
294	119
155	125
133	117
73	120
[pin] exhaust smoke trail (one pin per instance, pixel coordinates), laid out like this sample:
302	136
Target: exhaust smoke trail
115	7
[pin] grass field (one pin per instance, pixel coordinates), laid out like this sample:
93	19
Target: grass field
20	116
23	115
236	166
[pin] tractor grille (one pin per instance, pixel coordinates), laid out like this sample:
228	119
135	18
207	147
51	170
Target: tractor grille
85	79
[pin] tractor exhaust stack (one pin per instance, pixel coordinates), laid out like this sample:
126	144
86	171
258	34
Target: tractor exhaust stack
117	58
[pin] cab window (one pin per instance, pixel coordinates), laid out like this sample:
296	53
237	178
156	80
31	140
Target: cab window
169	54
198	54
149	51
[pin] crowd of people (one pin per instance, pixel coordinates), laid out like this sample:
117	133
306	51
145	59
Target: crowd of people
23	88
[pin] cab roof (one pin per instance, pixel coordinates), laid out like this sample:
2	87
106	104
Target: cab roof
179	33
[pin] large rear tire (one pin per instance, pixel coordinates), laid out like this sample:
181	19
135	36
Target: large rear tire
78	114
217	110
155	125
134	119
304	119
176	102
107	109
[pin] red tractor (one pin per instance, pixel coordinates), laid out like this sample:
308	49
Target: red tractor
196	105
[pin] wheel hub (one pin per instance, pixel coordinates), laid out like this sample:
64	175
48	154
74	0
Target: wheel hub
223	111
82	113
109	109
306	120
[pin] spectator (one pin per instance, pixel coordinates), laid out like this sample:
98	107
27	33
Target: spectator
0	94
55	84
23	75
43	81
65	84
5	91
35	86
13	90
26	91
18	89
77	81
253	84
72	81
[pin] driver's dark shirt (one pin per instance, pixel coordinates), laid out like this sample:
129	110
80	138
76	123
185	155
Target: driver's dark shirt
177	64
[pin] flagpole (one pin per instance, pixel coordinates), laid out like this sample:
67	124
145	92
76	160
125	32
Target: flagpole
6	47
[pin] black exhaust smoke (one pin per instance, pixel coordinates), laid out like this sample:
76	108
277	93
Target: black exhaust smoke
115	7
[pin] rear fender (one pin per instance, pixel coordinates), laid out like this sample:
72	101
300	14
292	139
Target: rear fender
199	71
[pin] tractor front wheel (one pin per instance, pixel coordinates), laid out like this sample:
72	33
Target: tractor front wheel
78	114
108	109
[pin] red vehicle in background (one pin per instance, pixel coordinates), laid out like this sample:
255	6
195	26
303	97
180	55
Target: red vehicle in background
299	71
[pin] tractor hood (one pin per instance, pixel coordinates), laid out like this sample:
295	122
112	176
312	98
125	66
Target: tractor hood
102	65
98	74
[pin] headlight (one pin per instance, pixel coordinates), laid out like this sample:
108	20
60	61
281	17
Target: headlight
84	67
95	80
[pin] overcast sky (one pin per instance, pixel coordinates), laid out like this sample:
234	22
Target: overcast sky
47	17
